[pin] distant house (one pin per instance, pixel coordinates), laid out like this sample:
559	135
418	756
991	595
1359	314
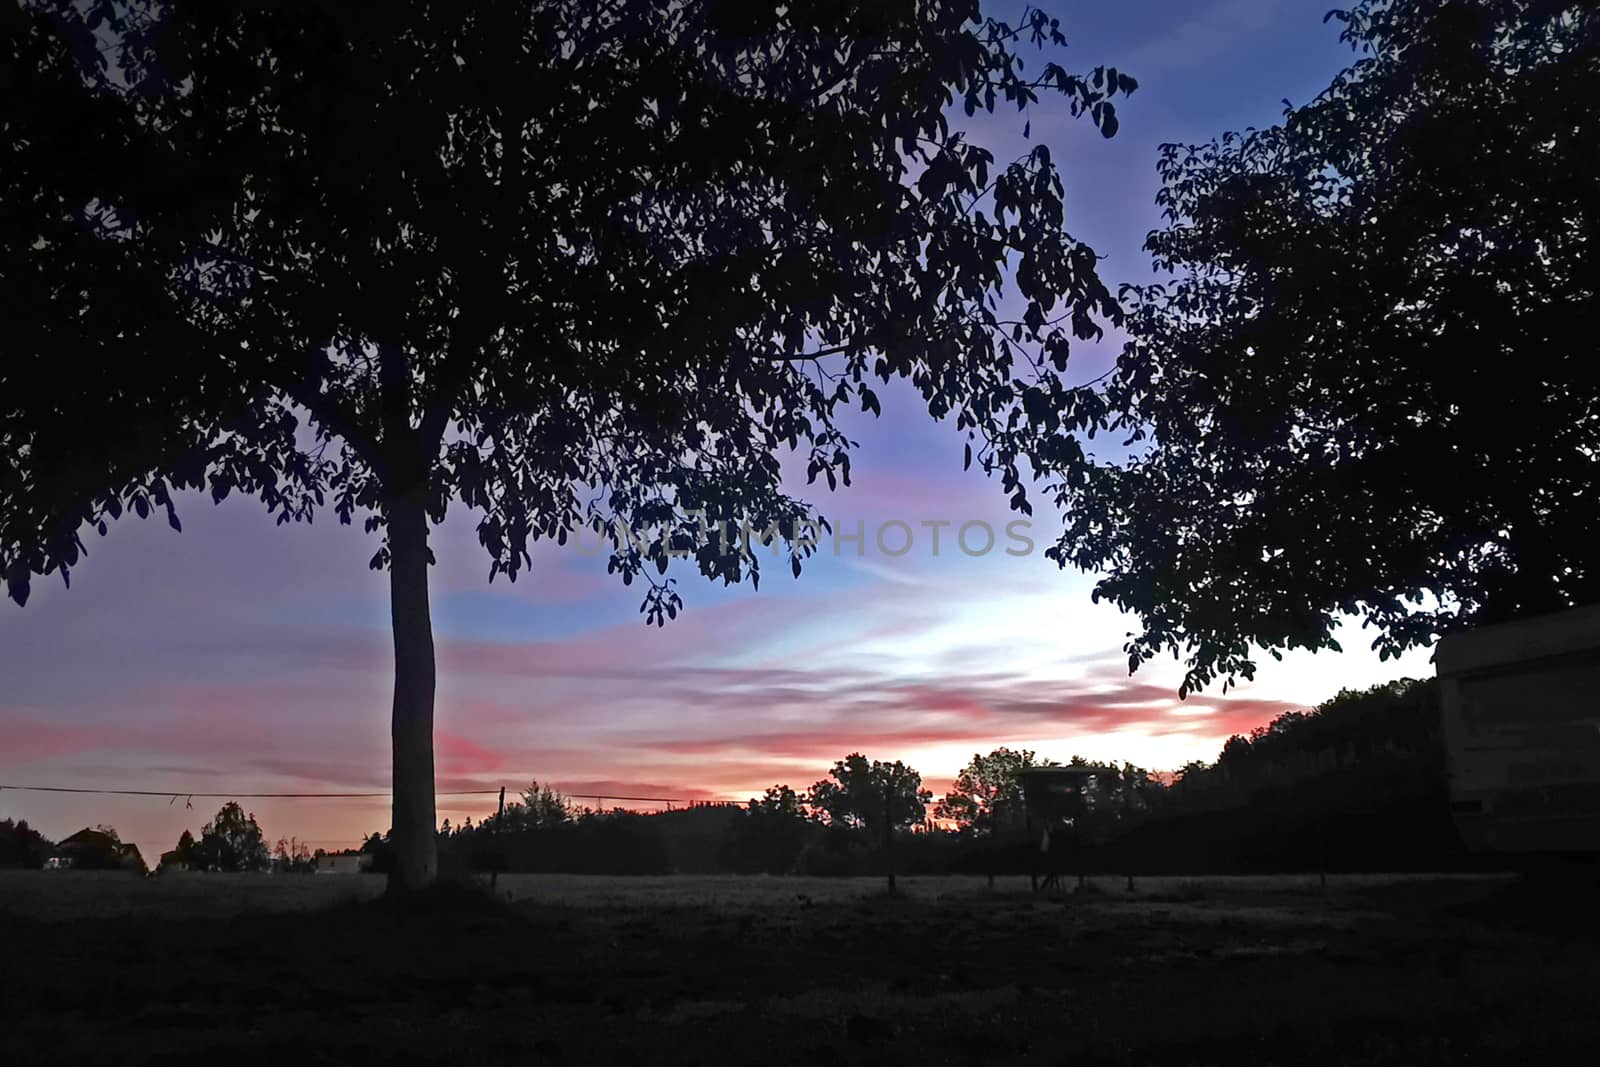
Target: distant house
344	862
96	850
170	861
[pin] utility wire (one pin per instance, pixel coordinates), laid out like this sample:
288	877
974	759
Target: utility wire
232	796
319	796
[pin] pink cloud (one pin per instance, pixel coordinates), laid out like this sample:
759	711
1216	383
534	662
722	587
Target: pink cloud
459	756
30	740
735	695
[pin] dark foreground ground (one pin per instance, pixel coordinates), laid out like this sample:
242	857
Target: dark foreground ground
239	970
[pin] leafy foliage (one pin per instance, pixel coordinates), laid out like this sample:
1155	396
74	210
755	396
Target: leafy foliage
586	266
778	800
871	795
1368	388
1393	726
182	854
544	805
231	842
987	794
770	835
541	807
83	187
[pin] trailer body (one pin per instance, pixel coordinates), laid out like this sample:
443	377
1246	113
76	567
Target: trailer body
1520	712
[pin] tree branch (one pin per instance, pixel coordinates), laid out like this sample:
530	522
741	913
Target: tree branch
433	423
340	419
802	357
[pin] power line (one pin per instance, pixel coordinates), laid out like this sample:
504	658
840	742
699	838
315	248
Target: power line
335	796
236	796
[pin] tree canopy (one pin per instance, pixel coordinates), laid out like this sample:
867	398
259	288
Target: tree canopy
987	794
21	845
1367	389
769	834
230	842
871	795
590	256
183	852
779	801
572	265
541	808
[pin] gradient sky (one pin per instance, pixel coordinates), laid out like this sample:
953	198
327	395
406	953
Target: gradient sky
244	657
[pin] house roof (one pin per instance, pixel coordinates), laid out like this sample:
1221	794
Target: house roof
87	838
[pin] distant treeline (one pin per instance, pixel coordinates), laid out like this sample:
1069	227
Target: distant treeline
1358	783
230	842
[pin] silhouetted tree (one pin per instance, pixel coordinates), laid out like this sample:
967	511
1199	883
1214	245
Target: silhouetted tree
544	807
871	795
103	377
381	849
575	266
1369	388
1392	720
21	845
231	842
1141	791
778	800
877	797
182	854
770	835
289	856
987	794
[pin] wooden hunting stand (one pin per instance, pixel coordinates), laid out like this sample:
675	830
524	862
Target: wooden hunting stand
1055	800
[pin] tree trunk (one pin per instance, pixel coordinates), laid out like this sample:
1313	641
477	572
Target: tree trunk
888	839
415	844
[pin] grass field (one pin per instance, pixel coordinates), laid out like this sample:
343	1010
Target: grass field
688	970
56	895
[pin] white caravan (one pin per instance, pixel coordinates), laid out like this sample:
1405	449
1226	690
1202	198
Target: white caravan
1521	716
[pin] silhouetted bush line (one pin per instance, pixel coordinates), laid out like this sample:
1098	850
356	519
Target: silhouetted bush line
1358	784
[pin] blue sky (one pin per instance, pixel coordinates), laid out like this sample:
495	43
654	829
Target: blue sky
187	662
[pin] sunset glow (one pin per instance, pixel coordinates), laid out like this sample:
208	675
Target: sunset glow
238	657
